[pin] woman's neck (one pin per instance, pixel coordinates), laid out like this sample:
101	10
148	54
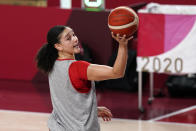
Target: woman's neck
66	56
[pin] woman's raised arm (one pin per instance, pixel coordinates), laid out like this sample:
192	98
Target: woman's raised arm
103	72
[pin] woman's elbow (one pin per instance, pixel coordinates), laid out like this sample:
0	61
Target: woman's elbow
119	75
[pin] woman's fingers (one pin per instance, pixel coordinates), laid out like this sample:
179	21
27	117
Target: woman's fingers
130	38
106	118
113	35
123	38
109	113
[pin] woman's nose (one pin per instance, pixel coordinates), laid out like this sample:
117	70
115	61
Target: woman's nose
75	39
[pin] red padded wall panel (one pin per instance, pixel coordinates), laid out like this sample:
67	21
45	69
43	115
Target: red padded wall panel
23	31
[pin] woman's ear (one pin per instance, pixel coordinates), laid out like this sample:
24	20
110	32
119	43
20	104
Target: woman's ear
58	46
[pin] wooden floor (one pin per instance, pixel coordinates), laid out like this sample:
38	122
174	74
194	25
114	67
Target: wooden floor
35	97
30	121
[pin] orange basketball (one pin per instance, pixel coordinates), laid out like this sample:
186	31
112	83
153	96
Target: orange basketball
123	20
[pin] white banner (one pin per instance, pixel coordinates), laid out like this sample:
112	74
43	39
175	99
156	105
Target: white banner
167	43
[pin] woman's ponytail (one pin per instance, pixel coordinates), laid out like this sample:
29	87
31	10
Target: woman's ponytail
48	54
46	57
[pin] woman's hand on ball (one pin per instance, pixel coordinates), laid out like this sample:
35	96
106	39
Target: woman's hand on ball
121	39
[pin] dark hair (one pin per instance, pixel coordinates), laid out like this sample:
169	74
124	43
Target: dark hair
48	54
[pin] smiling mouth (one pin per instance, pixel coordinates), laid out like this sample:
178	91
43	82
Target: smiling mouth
76	46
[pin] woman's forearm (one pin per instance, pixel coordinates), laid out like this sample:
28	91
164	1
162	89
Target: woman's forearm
121	60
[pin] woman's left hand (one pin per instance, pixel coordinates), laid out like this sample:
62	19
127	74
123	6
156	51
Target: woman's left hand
105	113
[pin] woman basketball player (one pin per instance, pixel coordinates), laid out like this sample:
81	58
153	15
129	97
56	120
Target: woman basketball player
71	82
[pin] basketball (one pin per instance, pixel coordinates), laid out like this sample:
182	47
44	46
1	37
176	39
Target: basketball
123	20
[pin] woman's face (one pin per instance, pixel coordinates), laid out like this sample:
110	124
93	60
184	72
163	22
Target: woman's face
68	42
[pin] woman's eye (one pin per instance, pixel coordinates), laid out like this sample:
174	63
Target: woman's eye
69	38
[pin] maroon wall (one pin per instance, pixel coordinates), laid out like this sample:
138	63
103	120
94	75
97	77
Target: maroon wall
23	31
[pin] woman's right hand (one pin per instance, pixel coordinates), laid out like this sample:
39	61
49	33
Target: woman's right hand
105	113
122	40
